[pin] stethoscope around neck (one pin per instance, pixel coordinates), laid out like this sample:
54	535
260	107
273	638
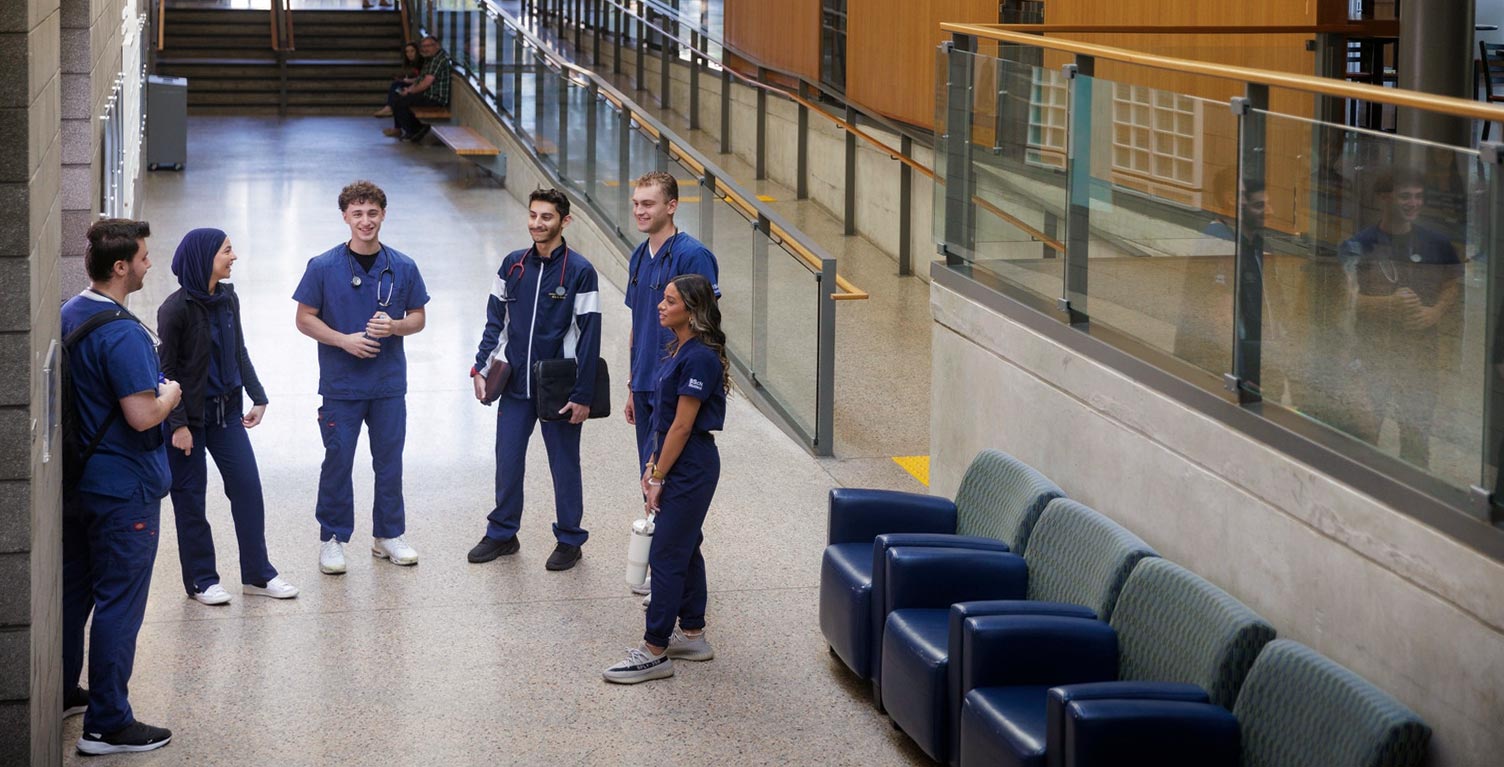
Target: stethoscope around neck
520	267
384	277
665	265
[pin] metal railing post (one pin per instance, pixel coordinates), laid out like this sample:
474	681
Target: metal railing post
801	146
905	208
725	110
849	213
579	24
695	63
762	128
825	375
539	92
761	238
665	83
624	169
563	142
1490	501
598	9
517	52
708	199
592	134
642	52
1078	190
959	212
1248	276
617	43
483	16
665	152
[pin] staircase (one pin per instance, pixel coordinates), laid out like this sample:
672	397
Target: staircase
341	64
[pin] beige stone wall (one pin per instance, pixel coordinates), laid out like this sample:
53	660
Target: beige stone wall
1413	611
91	32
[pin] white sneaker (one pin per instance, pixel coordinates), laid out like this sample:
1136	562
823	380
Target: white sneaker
214	595
332	557
647	600
394	549
640	666
276	588
646	587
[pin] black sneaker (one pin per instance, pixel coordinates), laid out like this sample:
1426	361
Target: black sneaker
490	548
136	736
563	558
418	134
75	701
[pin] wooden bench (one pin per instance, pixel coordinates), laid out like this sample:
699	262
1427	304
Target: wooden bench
474	147
431	113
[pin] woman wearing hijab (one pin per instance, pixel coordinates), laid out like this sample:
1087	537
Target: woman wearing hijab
204	349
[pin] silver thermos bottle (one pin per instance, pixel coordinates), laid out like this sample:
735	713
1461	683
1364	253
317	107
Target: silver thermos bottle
638	546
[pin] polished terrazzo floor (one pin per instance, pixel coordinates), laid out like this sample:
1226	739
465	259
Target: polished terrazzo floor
447	662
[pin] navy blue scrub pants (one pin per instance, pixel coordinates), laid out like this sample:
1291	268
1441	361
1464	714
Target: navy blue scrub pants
224	436
386	425
679	590
515	419
109	547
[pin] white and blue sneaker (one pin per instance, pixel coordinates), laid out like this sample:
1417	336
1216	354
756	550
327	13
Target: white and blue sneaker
640	665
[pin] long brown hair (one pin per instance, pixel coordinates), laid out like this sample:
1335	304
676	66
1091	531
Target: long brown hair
704	319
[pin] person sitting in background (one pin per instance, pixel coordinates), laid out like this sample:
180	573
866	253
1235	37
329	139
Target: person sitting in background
412	67
431	89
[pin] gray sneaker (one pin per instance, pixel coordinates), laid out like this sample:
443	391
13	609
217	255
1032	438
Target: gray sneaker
685	647
640	666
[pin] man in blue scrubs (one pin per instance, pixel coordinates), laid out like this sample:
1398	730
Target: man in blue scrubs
664	255
111	516
358	300
543	306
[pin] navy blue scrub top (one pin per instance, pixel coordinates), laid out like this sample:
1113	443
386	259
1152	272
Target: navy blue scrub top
646	276
326	286
695	371
114	361
224	362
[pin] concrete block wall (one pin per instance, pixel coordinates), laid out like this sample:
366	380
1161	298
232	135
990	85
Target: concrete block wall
30	543
91	31
1415	612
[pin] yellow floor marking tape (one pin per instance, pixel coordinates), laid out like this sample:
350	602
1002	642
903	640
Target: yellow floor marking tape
916	465
766	198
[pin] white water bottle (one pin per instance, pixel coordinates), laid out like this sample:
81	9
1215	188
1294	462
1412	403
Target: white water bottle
638	545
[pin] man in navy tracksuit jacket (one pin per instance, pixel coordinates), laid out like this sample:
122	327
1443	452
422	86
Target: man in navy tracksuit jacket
543	305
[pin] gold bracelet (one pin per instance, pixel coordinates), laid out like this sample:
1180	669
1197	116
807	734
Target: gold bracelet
656	473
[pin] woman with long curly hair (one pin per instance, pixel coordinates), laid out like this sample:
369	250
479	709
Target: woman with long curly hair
688	403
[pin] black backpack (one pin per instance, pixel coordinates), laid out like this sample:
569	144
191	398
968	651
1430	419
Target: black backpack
77	448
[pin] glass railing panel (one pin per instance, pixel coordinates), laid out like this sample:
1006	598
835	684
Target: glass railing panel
1012	222
1160	188
731	241
1375	313
786	318
549	83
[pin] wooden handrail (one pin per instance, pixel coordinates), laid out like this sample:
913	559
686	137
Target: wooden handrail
271	18
1447	105
1054	244
1375	28
161	24
847	291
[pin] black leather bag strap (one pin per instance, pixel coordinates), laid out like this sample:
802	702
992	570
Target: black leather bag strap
71	341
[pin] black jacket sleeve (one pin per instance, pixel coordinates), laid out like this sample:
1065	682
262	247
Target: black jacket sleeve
170	354
247	370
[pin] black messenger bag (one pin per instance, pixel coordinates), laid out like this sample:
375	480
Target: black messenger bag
553	381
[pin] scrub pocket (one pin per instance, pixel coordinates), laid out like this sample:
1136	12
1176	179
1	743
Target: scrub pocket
131	539
328	431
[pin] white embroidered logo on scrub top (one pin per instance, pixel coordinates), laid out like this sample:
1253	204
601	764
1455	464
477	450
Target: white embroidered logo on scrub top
694	383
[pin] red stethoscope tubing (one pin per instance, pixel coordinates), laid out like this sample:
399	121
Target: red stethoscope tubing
521	267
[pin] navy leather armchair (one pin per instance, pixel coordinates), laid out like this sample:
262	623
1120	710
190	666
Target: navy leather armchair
996	507
1295	709
1075	567
1178	643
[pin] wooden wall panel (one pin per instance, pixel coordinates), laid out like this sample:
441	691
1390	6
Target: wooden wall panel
783	34
890	53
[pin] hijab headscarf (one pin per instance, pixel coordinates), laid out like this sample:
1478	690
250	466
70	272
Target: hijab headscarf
193	263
